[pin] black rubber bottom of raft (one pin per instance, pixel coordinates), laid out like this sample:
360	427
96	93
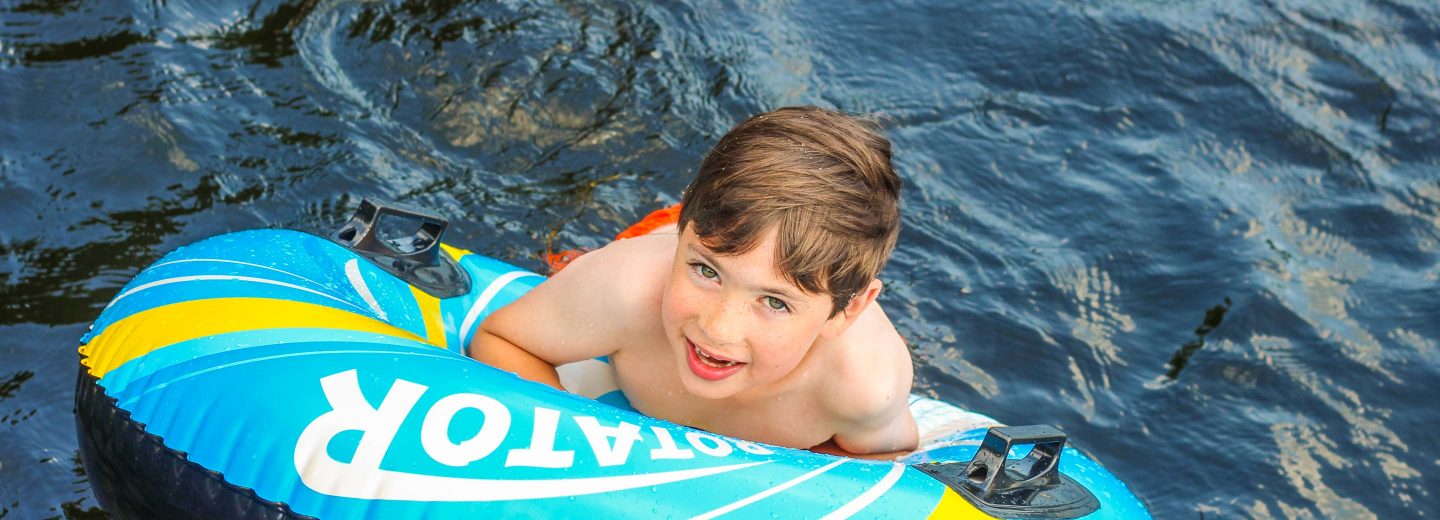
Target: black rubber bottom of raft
135	475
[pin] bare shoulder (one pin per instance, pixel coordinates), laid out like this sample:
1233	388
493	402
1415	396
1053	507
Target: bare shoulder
869	389
592	307
626	276
870	379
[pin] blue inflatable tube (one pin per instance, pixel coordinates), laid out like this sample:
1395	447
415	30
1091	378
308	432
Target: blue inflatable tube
278	374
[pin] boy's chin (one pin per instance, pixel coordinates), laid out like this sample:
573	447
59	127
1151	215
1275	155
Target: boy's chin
707	389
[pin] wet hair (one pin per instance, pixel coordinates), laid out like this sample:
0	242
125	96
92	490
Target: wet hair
821	178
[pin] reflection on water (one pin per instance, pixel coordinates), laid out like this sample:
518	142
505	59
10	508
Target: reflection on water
1367	430
1315	283
1096	316
1303	452
1209	230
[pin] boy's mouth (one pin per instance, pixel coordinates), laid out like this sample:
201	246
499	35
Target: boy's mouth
709	366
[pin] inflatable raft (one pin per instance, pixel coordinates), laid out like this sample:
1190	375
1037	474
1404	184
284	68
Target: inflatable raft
278	374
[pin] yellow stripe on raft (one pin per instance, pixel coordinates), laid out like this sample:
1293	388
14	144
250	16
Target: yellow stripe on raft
455	252
144	332
430	314
952	505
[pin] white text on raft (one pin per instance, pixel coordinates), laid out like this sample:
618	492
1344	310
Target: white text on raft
610	445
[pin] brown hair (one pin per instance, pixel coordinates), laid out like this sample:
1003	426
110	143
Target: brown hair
821	177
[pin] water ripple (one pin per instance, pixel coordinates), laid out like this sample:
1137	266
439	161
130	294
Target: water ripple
1208	229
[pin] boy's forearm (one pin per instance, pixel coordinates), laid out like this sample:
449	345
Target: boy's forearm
500	353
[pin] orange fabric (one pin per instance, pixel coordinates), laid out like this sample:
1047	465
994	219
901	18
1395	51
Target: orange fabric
660	217
656	219
558	261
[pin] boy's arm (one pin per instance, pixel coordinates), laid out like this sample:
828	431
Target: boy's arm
500	353
869	393
832	447
885	436
580	313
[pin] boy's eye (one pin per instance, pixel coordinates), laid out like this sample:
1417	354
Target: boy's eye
707	272
775	303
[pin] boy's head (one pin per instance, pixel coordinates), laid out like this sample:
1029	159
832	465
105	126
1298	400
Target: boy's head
821	178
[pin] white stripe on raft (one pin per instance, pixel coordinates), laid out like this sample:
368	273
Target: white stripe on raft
237	262
357	280
483	301
130	403
221	277
756	497
854	506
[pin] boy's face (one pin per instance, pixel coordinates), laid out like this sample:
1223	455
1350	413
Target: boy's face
734	323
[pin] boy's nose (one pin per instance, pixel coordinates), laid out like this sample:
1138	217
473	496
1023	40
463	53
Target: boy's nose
724	324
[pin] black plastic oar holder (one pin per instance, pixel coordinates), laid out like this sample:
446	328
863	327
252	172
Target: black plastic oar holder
414	256
1032	487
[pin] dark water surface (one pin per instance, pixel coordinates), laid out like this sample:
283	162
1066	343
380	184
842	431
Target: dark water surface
1202	237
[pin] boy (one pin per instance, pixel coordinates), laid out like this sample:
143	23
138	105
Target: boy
755	315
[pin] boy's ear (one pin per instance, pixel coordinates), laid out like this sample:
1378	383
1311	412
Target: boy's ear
842	320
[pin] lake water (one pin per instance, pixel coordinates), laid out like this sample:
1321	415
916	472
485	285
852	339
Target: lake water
1201	237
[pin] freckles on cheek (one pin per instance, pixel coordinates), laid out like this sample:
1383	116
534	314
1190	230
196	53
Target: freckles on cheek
679	304
787	350
685	302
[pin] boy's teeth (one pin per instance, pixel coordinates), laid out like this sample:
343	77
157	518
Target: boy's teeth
712	361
